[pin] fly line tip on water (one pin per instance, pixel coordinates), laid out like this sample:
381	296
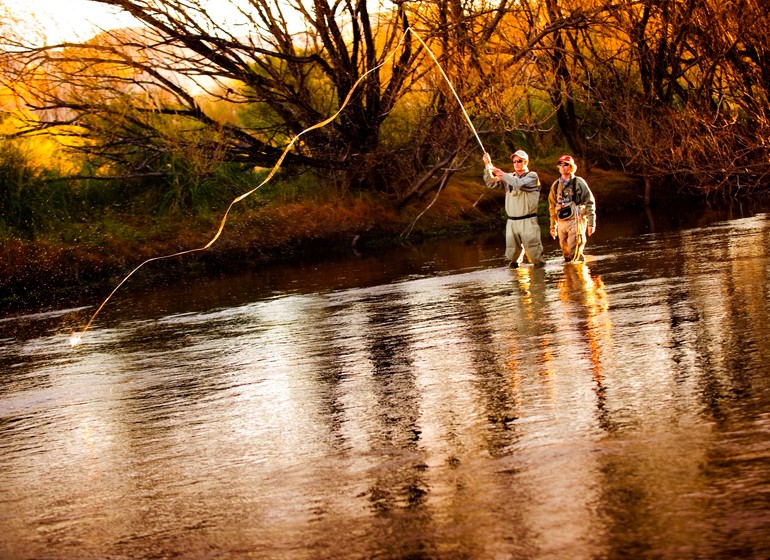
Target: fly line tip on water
76	338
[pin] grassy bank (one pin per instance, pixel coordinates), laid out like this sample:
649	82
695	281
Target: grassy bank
88	258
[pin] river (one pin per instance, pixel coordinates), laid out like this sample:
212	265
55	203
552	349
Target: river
421	403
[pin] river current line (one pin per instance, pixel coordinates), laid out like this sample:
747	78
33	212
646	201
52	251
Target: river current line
77	337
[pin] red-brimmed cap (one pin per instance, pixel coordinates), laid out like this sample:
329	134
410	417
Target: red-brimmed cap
566	159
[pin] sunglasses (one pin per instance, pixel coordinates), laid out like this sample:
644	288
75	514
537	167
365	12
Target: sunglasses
518	161
563	164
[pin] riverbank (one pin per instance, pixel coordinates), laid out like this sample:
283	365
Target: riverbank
92	258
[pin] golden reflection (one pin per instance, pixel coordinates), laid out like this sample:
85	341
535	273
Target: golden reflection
549	366
585	298
531	284
536	344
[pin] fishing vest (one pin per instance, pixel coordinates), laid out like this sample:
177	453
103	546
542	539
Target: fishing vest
568	197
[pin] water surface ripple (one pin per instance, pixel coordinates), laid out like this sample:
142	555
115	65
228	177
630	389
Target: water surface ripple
616	409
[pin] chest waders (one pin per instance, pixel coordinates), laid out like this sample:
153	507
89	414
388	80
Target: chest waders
578	211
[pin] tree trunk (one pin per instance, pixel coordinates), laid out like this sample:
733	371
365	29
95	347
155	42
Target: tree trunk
647	191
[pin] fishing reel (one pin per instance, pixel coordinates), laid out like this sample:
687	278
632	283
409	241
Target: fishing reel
488	164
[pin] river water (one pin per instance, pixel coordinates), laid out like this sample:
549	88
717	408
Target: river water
422	403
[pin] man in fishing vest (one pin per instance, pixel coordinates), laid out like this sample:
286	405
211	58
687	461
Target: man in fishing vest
522	194
572	208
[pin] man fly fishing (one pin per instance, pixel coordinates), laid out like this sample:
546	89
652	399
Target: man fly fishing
522	194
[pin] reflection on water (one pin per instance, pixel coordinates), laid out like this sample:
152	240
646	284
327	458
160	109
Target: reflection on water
410	409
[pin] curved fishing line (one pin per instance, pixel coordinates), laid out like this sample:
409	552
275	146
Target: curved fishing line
75	338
